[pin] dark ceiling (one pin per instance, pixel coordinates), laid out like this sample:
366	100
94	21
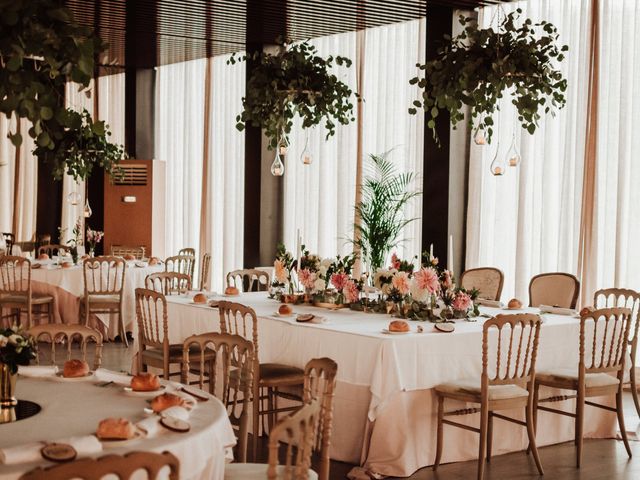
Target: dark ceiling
147	33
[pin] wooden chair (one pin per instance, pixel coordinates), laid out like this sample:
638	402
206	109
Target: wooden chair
554	289
623	297
168	283
249	280
603	346
187	251
122	250
9	239
53	249
181	264
507	386
487	280
103	289
69	333
240	320
123	467
16	290
231	354
204	272
295	432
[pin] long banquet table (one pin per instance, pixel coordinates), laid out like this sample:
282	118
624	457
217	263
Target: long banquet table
385	406
72	409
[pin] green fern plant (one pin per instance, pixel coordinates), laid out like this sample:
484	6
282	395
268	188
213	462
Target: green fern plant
385	193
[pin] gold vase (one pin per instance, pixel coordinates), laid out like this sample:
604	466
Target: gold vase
7	386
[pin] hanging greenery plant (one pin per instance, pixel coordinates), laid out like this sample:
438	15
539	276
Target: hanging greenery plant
476	67
295	80
41	48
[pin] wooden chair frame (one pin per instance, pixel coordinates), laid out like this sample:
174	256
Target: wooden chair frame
104	278
181	264
204	272
519	371
121	466
540	276
494	270
250	278
16	290
68	334
232	356
122	250
187	251
51	247
10	240
614	364
168	283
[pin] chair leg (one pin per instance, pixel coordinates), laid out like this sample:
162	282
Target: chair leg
270	406
489	436
482	451
623	430
439	432
255	413
534	408
532	436
579	427
634	386
123	331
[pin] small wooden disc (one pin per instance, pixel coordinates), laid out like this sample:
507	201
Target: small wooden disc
175	424
58	452
445	327
305	317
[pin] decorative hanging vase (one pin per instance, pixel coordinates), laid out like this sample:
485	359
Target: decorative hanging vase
513	157
277	167
7	386
306	157
497	165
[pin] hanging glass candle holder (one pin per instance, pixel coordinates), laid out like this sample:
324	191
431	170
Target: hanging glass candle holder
497	165
513	156
479	137
283	144
277	167
87	209
74	198
306	157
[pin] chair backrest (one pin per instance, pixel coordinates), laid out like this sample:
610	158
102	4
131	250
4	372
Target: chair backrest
68	334
168	283
122	250
509	350
188	251
556	289
123	467
238	319
320	382
151	314
104	275
9	239
230	375
15	275
204	272
621	297
53	249
249	280
603	341
487	280
296	430
181	264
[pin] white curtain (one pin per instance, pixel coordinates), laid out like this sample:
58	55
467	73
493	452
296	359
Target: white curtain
111	95
617	221
320	198
179	127
527	221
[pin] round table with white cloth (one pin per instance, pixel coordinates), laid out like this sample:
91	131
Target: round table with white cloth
72	409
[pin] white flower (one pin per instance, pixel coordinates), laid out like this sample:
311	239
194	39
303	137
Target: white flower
326	262
419	294
322	270
15	339
319	285
3	341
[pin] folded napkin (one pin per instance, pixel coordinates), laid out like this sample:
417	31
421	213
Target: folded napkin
150	425
557	310
37	371
87	445
180	413
317	319
489	303
104	375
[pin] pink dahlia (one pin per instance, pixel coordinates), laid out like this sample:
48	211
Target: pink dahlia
461	302
427	279
351	292
401	283
395	262
338	280
281	273
307	278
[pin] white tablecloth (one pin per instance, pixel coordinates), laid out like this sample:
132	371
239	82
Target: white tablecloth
67	287
381	377
74	408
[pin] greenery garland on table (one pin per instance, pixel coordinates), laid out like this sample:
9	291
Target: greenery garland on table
294	80
477	66
41	48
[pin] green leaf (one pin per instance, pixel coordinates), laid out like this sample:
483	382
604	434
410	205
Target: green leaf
46	113
16	139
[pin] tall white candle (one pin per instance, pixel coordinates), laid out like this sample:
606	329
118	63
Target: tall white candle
298	248
450	254
431	251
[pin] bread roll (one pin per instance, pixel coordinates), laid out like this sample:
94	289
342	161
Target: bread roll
587	310
285	309
129	257
145	382
231	291
115	429
75	368
67	264
153	261
514	303
43	256
398	326
200	298
166	400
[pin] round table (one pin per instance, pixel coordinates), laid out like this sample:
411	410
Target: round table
74	408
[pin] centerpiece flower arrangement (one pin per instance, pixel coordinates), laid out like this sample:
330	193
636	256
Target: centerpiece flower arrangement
16	348
94	237
284	285
74	241
328	280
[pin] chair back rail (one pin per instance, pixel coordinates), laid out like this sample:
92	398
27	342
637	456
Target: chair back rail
487	280
621	297
204	271
603	340
68	334
168	283
188	251
151	314
249	280
52	249
557	289
137	251
181	264
15	275
104	275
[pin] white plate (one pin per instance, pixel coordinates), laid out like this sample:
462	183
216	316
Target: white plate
205	304
89	376
511	309
389	332
121	443
153	393
445	327
231	295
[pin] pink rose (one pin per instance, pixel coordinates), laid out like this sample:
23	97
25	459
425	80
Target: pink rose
395	262
351	292
307	278
461	302
338	280
427	279
401	282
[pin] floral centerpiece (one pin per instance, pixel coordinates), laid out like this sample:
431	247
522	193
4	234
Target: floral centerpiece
16	348
75	241
333	283
94	237
284	286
